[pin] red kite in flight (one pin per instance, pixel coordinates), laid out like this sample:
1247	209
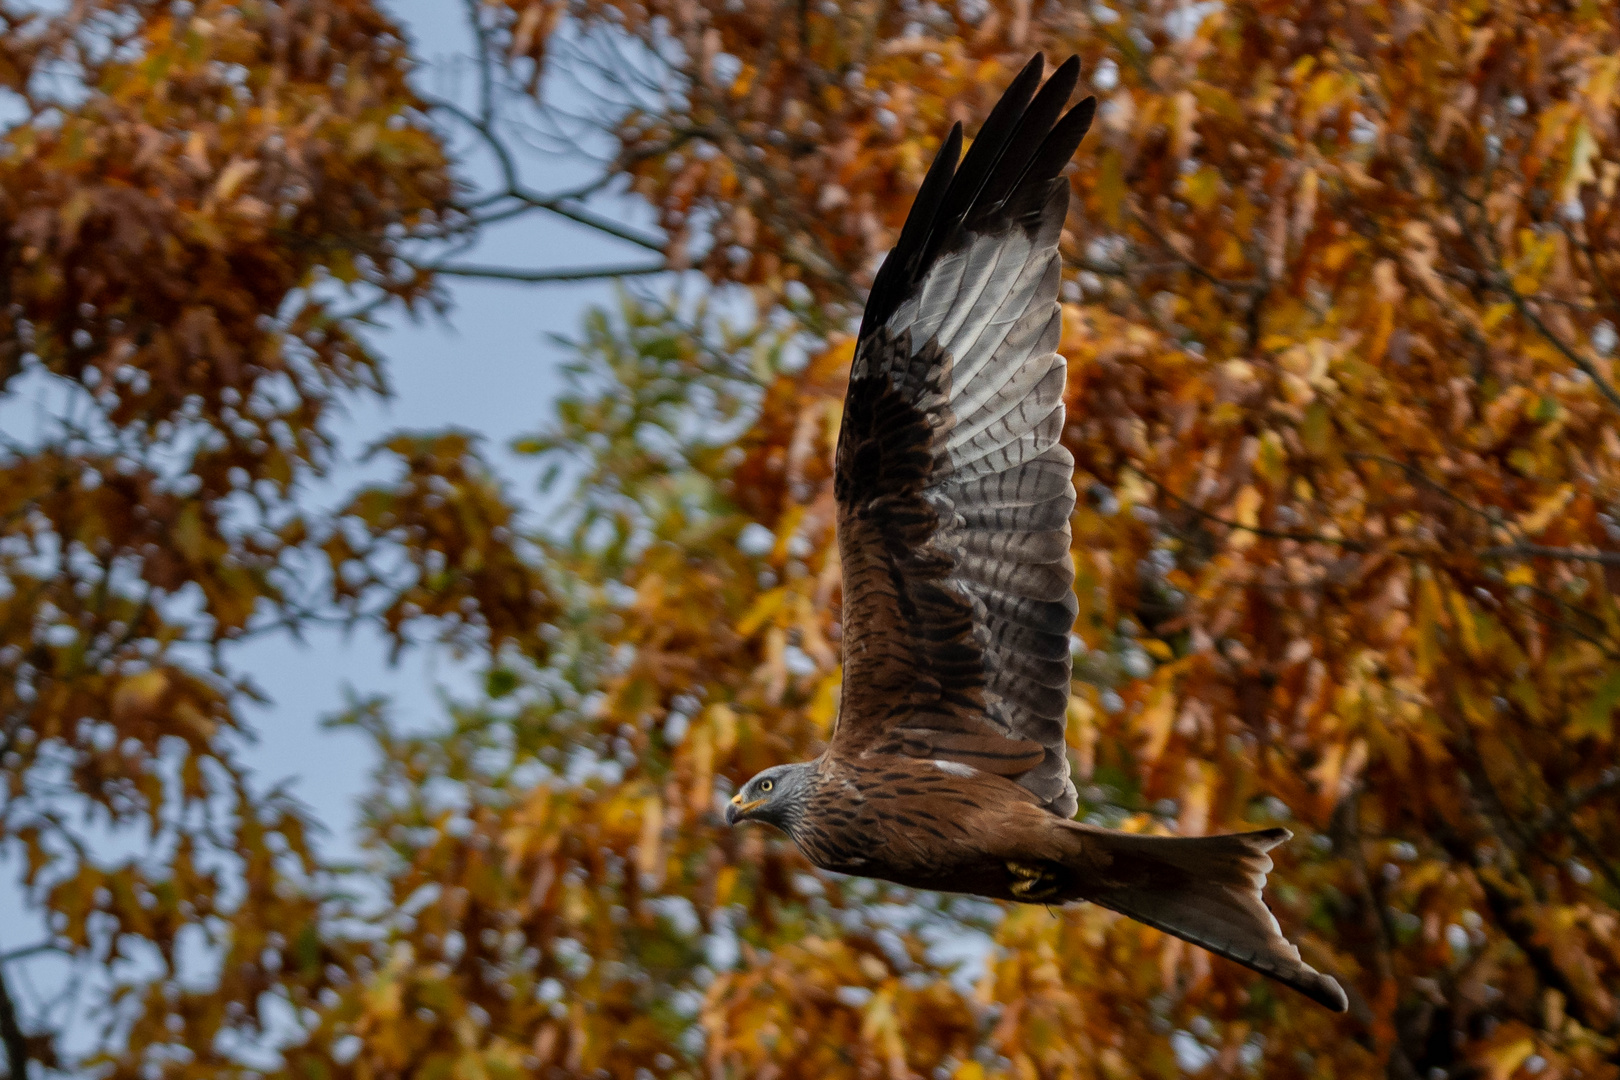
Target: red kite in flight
948	768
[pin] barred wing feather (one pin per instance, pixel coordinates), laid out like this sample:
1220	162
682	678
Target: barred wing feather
954	494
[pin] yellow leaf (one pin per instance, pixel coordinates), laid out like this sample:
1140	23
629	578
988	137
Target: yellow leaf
1156	721
1596	717
1246	514
699	750
1494	314
1111	187
139	693
232	177
74	211
1430	621
725	883
786	529
766	607
824	707
1581	155
1202	188
1463	621
1134	489
1214	99
197	150
649	845
1536	255
1271	464
1197	791
1600	87
1082	734
1326	89
1546	509
724	722
1504	1060
1183	132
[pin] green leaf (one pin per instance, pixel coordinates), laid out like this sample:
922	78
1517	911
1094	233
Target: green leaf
1596	717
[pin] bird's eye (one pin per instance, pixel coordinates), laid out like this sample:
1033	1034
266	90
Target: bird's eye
766	785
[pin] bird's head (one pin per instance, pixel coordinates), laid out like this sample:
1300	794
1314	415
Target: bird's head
775	796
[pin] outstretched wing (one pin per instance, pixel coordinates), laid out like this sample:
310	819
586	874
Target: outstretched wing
953	491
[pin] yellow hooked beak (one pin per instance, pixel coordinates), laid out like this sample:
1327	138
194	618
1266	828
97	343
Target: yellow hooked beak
739	809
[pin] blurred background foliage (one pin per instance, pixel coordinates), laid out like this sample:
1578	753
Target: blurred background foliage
1340	315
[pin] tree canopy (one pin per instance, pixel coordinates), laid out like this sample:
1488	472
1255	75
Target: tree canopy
1340	316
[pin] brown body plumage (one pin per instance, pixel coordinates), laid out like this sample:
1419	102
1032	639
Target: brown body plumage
948	769
914	823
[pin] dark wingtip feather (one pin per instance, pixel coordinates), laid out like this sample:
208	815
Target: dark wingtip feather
901	266
996	134
1069	72
1024	144
1064	139
1003	179
1028	203
934	186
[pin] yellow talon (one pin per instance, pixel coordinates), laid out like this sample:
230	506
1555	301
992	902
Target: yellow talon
1036	883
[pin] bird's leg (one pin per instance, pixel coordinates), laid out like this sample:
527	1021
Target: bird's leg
1034	882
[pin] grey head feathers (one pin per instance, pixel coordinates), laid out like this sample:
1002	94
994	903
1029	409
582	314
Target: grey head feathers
777	796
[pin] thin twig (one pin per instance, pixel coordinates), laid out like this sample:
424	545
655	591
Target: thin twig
1419	476
1270	534
1192	264
1593	852
574	273
514	188
12	1036
486	68
1498	281
31	950
1538	551
1609	782
1557	342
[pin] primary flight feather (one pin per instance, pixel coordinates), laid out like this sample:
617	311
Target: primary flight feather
948	768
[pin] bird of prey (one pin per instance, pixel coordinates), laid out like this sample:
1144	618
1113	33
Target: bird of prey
947	769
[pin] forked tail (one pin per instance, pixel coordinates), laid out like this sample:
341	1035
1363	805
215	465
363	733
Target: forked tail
1206	890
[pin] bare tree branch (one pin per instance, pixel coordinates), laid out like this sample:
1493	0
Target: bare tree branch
577	273
1423	479
32	950
1269	534
12	1036
1192	265
1557	342
1553	815
1498	280
1538	551
513	187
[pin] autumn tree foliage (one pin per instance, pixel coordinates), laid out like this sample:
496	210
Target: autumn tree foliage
198	201
1340	312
